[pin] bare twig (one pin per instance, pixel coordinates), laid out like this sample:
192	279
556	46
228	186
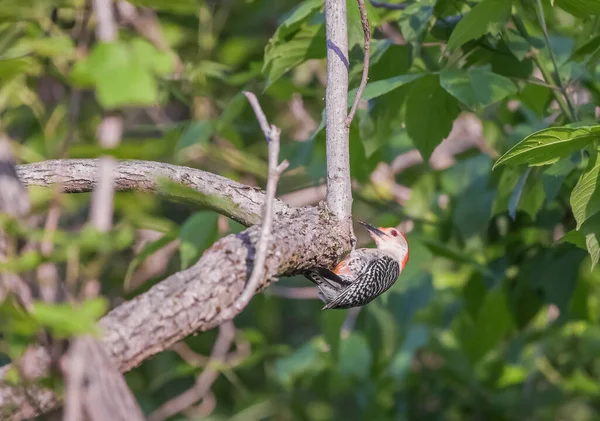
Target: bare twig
339	188
204	382
272	134
389	6
365	72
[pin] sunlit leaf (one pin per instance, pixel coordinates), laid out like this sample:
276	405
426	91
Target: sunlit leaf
486	17
549	145
476	88
427	98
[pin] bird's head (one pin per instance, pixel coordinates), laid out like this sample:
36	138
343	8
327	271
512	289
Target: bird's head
390	240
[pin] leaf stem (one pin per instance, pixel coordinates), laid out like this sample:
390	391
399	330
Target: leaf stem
542	20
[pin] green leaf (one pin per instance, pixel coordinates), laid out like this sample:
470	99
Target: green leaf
382	87
585	198
292	22
549	145
590	47
306	360
308	43
414	21
426	99
148	250
476	88
197	234
580	8
574	237
591	230
123	73
517	45
489	16
490	325
198	133
66	319
355	357
528	195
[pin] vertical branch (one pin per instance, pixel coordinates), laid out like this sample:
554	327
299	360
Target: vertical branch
339	193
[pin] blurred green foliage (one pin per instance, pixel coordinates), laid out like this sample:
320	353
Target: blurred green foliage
496	314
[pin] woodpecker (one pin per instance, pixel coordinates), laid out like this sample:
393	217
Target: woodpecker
365	273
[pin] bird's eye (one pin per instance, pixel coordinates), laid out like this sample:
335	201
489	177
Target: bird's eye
394	233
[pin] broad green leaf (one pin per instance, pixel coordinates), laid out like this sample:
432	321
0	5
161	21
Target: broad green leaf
591	230
382	87
296	17
554	176
197	234
307	360
308	43
123	73
574	237
148	250
198	133
557	275
528	195
355	357
414	21
427	100
490	326
476	88
585	198
590	47
488	16
549	145
580	8
517	45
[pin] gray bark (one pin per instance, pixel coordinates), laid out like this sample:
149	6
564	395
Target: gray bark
192	300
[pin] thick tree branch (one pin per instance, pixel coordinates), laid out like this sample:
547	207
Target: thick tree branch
237	201
339	193
197	298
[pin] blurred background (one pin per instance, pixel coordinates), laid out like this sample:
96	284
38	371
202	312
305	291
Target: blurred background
495	316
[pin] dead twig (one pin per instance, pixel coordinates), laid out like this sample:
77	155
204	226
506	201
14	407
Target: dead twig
365	72
272	134
204	382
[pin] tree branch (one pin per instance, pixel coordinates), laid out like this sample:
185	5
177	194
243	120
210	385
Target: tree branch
196	299
339	193
275	170
203	382
365	71
234	200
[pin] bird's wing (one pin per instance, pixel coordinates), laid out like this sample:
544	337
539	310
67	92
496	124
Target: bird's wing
365	281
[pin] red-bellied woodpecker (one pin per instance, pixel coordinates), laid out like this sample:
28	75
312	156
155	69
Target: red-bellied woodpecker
364	274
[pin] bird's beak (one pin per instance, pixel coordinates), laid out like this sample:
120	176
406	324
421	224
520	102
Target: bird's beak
376	233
